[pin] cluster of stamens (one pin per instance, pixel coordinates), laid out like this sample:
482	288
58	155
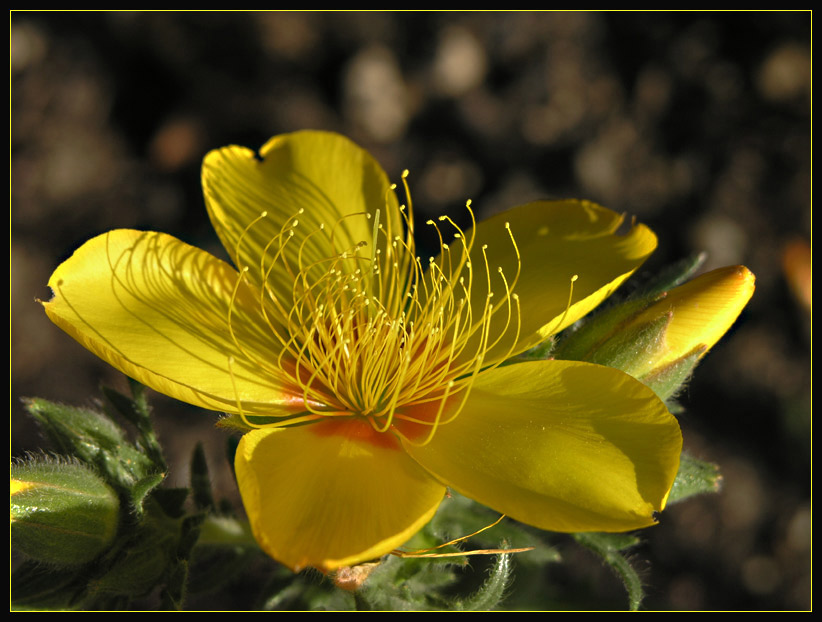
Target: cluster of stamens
371	330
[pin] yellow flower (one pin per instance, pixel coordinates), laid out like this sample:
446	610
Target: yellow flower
372	376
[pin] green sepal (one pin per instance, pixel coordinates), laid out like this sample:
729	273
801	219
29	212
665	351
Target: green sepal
79	432
635	349
609	547
695	477
583	341
235	423
140	490
671	276
667	381
421	583
603	330
62	513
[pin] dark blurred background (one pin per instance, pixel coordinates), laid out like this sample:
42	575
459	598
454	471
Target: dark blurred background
696	123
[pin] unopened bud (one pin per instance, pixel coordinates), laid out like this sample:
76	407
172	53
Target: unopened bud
660	341
61	513
701	311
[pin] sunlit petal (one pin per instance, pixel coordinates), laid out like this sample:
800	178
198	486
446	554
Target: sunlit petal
158	310
332	494
561	445
320	184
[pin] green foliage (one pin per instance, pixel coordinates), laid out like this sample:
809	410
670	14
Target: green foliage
122	534
695	477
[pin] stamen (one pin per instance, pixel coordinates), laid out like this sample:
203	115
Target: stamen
568	304
375	333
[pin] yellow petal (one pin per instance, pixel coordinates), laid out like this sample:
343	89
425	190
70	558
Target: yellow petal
556	242
313	179
331	494
701	311
157	309
561	445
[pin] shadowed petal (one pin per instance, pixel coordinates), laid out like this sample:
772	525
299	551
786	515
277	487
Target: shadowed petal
561	445
157	309
332	494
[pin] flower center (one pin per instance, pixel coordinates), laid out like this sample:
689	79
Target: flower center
370	330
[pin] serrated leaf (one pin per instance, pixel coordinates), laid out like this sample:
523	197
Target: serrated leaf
695	477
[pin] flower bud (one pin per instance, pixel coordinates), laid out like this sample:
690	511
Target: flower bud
660	341
61	513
